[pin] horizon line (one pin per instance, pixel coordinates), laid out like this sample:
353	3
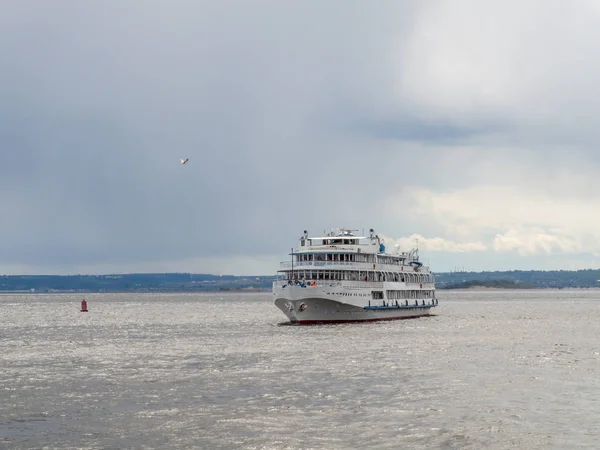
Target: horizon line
258	276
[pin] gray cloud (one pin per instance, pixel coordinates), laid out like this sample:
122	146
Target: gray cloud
293	116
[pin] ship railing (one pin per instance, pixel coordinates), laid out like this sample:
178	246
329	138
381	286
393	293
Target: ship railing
331	283
342	248
288	264
363	284
336	264
428	286
357	284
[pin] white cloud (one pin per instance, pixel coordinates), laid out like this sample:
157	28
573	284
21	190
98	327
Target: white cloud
514	62
535	241
507	218
435	244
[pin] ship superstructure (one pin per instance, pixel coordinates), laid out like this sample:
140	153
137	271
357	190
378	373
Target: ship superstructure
342	277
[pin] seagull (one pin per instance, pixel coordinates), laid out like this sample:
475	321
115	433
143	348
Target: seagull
183	161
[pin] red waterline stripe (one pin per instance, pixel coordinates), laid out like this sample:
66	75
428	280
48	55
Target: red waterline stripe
318	322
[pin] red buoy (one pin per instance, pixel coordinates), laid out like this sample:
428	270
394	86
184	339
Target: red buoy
84	306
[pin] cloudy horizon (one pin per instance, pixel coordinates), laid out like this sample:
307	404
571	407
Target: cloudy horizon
470	127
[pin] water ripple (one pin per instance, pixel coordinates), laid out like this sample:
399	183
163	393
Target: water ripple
514	369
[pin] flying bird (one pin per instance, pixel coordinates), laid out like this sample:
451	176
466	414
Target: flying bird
183	161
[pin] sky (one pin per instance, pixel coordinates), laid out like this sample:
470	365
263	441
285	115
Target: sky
469	126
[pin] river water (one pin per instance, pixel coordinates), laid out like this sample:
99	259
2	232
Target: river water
493	369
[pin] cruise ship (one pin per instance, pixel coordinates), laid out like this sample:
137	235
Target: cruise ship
340	277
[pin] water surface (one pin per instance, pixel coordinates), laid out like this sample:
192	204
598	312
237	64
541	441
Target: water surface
497	369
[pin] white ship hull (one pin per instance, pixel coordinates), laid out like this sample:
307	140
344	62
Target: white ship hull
339	277
308	306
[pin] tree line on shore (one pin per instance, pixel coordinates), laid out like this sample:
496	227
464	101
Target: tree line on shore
187	282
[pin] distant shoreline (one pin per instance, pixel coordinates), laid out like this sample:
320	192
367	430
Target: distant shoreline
268	291
197	283
534	288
